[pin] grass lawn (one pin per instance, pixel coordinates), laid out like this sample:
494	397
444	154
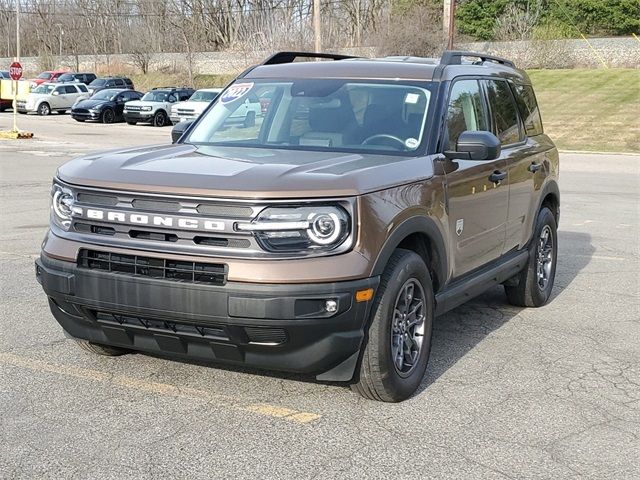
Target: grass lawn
590	109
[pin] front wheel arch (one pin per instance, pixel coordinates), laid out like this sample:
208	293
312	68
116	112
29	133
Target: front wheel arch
408	235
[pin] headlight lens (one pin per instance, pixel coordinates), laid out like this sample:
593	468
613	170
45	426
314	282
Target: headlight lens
61	206
322	227
146	109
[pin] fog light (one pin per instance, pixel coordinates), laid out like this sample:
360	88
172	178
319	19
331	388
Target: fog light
331	306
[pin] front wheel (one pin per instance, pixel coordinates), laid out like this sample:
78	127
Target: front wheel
532	286
108	116
396	355
44	109
159	119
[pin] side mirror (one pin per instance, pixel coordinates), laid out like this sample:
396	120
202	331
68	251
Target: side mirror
475	145
55	92
179	129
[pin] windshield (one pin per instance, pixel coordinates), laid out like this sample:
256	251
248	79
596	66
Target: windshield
105	95
158	96
45	75
44	89
66	78
200	96
98	82
334	115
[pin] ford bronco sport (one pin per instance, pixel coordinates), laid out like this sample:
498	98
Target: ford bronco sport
371	196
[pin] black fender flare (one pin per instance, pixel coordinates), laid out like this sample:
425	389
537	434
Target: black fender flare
417	224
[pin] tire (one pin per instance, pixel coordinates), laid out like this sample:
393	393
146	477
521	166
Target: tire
533	285
250	119
44	109
131	122
100	349
61	112
159	119
108	116
380	377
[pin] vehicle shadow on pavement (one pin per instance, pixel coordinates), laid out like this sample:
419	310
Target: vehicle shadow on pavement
460	330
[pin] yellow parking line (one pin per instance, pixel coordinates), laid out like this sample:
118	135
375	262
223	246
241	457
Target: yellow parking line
157	388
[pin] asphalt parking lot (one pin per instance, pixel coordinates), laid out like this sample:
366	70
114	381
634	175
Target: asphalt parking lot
510	393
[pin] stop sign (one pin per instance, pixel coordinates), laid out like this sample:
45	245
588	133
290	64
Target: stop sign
15	71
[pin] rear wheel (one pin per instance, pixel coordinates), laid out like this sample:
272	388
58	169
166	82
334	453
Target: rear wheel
98	349
44	109
396	355
108	116
159	119
532	286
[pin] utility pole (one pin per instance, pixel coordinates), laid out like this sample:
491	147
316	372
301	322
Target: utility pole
448	22
316	26
14	104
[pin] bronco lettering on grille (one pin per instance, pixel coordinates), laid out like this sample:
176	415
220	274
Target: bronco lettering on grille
170	221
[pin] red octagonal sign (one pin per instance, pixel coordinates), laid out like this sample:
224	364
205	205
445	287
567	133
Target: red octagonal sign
15	71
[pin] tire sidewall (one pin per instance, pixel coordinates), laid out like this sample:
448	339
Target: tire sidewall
412	266
44	109
105	118
159	114
545	217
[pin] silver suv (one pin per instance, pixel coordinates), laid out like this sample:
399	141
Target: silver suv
155	106
50	97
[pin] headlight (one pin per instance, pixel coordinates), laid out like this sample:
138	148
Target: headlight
146	109
322	227
61	206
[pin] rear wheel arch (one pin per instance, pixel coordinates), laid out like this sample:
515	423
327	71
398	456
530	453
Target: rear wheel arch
422	236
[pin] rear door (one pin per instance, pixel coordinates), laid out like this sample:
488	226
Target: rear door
477	205
507	126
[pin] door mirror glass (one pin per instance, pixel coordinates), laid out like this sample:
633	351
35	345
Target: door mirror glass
475	145
55	92
179	129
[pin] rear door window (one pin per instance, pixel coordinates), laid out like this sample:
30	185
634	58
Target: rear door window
529	111
70	89
504	114
466	110
120	82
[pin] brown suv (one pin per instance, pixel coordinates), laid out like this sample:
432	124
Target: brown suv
369	196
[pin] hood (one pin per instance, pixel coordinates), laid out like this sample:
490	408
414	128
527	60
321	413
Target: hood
91	103
235	172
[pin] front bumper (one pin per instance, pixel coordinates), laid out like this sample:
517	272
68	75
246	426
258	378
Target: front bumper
85	115
271	326
138	116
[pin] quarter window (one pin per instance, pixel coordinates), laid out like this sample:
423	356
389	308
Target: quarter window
466	110
503	112
529	111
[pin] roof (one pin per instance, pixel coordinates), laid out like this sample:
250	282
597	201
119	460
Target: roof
392	68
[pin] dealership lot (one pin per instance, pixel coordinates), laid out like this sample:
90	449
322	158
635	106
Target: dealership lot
546	393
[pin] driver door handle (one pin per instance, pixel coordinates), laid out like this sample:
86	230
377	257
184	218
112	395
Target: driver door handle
497	176
534	167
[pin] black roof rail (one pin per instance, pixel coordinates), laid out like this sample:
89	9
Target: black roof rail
289	57
454	57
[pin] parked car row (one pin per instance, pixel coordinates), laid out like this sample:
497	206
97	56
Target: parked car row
113	99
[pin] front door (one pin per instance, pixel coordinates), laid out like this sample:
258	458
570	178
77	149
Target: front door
477	191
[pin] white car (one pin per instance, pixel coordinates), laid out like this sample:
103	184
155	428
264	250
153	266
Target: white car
192	108
155	106
49	97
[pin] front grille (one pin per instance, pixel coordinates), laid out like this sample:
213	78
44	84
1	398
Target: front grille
152	204
133	108
161	268
182	111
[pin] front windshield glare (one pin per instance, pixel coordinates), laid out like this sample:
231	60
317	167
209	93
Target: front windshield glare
154	96
44	89
105	95
338	115
45	75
